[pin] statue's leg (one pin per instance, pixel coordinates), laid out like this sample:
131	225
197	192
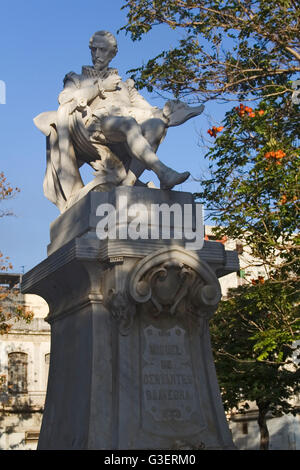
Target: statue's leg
154	131
134	172
126	129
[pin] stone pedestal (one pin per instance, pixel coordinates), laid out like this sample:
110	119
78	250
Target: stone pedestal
131	364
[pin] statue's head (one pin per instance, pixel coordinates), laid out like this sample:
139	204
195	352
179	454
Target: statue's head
103	47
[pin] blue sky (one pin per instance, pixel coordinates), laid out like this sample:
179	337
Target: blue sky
40	42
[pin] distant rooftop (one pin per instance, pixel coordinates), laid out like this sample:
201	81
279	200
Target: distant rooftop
10	279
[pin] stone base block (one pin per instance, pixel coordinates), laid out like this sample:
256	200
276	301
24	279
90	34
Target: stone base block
131	364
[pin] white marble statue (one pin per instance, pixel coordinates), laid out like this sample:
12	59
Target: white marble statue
106	123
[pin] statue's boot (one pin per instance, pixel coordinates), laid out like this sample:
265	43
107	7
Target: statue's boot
169	178
172	178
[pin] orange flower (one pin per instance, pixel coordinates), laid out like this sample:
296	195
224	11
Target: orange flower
245	109
240	110
259	280
283	200
214	130
280	154
276	155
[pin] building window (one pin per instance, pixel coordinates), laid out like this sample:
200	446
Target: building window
17	372
244	427
31	437
239	247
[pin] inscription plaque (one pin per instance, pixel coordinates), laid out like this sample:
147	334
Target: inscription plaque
168	382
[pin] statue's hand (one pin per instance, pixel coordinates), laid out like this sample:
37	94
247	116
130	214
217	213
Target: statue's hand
110	83
79	103
158	114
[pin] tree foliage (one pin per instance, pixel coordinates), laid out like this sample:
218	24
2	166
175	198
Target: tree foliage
254	334
252	194
227	48
252	190
11	310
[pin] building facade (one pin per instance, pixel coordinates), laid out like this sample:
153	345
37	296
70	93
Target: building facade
24	365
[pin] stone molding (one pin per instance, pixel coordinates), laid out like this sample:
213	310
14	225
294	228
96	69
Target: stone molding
168	281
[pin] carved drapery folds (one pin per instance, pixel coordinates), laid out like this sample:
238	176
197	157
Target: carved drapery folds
171	281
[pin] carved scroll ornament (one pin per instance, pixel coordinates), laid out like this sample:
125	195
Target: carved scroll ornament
171	281
173	275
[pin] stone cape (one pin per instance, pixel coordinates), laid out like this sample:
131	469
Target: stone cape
131	364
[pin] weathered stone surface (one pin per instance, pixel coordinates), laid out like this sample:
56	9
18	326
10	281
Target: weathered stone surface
131	364
81	218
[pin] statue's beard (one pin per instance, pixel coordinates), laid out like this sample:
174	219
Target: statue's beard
99	67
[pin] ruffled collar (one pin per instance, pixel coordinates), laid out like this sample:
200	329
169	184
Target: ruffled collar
90	72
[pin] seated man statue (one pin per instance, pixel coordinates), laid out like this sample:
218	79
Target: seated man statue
106	123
